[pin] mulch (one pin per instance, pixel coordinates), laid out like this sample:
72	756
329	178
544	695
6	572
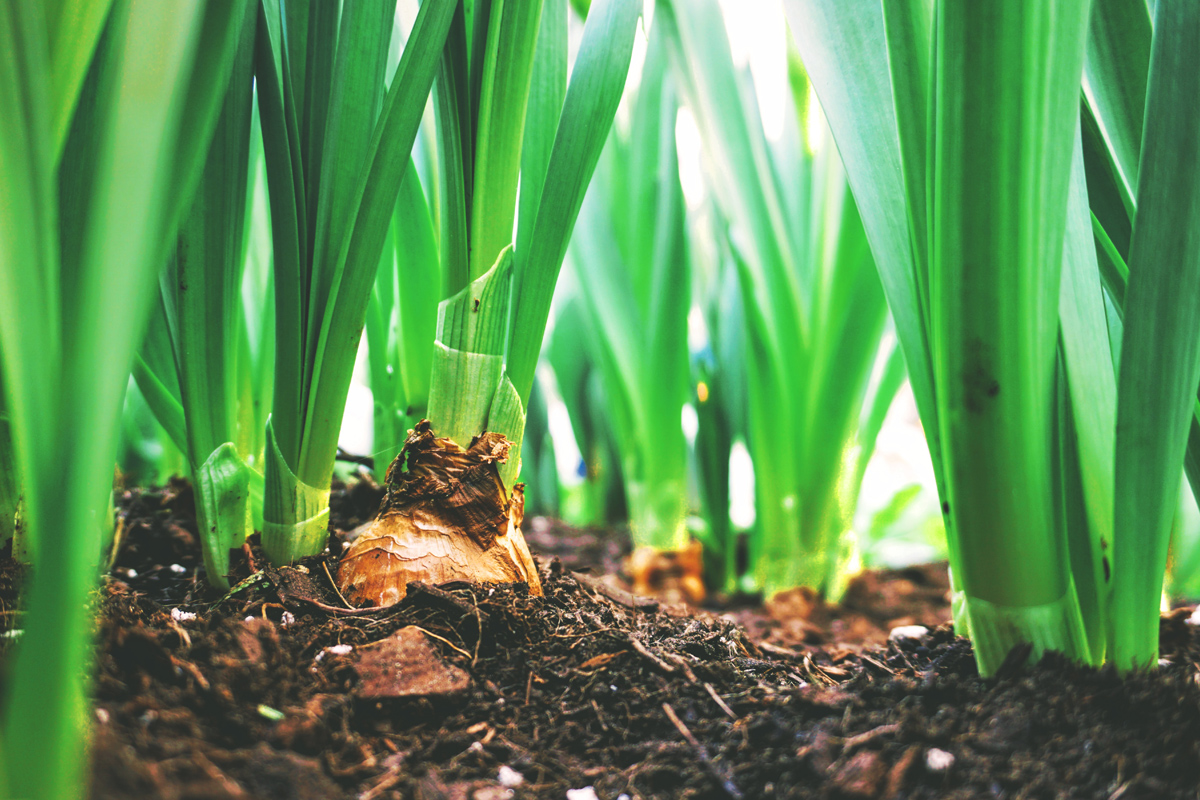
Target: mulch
470	692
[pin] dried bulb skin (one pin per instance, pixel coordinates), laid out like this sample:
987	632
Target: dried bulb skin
445	517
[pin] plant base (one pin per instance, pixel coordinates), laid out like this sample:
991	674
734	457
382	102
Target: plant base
445	517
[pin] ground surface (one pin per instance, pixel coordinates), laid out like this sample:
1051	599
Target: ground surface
478	693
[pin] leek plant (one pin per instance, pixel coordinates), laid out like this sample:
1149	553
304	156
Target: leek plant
595	494
814	310
106	111
190	370
504	109
719	379
631	263
336	136
1057	437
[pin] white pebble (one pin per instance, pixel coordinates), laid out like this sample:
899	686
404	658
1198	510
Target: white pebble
287	619
182	616
1194	619
623	796
131	573
509	777
102	716
903	632
178	569
335	650
1164	662
586	793
938	760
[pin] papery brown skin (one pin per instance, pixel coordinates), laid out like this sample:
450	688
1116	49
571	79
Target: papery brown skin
670	574
445	517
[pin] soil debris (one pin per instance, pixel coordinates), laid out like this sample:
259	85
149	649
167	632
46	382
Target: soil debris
266	693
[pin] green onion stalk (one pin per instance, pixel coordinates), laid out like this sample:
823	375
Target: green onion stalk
337	127
503	110
814	308
595	495
106	112
189	368
631	263
1056	469
719	394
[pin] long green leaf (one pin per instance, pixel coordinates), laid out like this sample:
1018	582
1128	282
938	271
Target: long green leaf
597	81
1160	354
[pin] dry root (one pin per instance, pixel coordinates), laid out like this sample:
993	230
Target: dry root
445	517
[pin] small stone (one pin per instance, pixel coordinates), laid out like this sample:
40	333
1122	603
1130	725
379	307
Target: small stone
938	760
509	777
1163	663
902	632
586	793
102	716
335	650
492	793
1194	619
178	569
287	619
182	616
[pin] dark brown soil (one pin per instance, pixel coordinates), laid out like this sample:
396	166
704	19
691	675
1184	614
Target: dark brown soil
481	693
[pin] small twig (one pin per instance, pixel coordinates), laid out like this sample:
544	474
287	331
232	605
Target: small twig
725	783
720	703
447	600
658	662
862	738
683	664
776	650
449	643
617	594
333	583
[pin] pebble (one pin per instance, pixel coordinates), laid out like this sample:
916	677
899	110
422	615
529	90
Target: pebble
1194	619
178	569
509	777
938	760
335	650
902	632
182	616
586	793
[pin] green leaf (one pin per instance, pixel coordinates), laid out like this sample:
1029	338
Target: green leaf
507	66
597	80
1160	353
1114	84
223	508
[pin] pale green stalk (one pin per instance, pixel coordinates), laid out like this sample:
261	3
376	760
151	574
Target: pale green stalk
337	147
631	262
94	181
813	306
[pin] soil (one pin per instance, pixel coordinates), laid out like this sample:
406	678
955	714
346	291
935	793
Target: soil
467	692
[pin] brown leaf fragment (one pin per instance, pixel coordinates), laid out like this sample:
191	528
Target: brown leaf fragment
861	776
407	666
